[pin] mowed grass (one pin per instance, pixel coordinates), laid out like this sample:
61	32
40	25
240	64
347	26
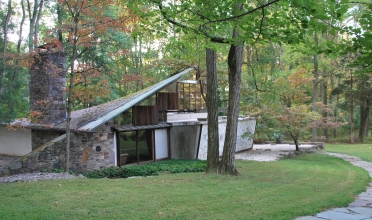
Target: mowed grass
265	190
364	151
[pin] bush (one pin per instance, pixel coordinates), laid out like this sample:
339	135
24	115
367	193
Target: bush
150	169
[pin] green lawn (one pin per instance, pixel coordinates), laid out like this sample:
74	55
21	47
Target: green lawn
275	190
363	151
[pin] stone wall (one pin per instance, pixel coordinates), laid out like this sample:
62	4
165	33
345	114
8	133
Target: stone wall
88	151
97	149
41	137
47	88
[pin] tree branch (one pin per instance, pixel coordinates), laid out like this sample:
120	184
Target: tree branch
212	38
245	13
261	25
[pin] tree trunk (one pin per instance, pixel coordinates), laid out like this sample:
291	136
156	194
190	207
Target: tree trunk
17	68
69	98
295	139
352	135
325	103
336	106
366	127
59	20
212	108
37	22
315	85
5	30
272	58
32	19
235	62
364	113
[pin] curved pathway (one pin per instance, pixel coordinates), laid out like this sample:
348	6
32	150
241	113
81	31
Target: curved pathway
360	209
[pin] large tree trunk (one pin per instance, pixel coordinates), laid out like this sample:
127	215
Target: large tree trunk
315	86
364	113
212	107
235	62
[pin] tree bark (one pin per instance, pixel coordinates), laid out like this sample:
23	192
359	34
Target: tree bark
335	110
235	62
352	134
17	68
364	113
59	20
69	98
212	108
325	103
315	86
37	22
32	19
5	44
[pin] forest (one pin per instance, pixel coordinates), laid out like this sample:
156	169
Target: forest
302	68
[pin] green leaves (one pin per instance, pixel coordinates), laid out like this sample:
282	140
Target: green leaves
151	169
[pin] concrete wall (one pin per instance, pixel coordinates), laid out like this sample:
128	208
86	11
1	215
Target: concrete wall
171	117
243	143
184	141
15	142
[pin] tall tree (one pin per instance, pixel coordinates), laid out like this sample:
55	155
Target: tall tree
34	10
5	43
85	26
212	103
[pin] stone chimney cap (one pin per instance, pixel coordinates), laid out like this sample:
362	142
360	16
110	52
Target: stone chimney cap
50	46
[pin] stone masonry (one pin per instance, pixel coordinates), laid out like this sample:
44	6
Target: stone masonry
47	88
41	137
47	94
88	151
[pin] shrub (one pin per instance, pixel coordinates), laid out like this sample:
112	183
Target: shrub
150	169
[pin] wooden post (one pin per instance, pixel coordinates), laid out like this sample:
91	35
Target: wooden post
137	147
153	143
118	148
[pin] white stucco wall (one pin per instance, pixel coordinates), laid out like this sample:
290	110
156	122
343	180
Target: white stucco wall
161	144
17	143
242	142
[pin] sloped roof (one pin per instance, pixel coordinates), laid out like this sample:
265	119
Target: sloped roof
90	118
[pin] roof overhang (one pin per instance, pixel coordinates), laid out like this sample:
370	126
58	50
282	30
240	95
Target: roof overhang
135	99
142	127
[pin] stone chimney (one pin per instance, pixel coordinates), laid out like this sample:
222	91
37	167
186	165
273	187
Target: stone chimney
47	86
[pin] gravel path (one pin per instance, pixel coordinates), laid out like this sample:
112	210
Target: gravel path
25	177
259	155
262	155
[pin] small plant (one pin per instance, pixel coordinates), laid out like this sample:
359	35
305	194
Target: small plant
276	135
55	170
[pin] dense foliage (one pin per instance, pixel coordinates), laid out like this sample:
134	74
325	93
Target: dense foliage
132	44
150	169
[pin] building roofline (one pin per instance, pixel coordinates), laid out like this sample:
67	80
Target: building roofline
134	100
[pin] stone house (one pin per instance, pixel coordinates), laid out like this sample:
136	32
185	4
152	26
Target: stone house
166	120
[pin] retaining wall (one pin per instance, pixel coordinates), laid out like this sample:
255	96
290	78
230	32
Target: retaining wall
88	151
